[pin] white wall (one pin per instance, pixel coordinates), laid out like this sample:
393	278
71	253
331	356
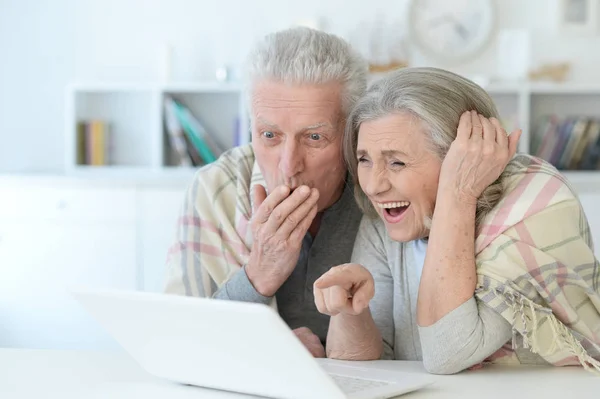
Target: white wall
46	43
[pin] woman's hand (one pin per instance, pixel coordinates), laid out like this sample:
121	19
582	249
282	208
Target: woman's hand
345	289
344	293
477	157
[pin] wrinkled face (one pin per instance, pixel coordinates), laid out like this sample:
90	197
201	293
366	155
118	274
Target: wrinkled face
297	137
399	174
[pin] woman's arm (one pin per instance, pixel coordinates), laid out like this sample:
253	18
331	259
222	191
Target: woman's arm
456	332
369	334
353	337
475	160
464	337
449	275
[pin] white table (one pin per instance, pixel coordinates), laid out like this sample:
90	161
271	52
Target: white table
114	375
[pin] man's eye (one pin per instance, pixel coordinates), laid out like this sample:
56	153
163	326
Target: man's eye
315	136
268	135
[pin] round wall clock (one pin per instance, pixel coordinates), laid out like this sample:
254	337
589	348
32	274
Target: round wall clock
452	31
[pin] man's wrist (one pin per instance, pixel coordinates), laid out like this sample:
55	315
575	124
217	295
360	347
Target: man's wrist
239	288
262	284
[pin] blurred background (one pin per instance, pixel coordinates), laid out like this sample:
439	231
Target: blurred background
107	107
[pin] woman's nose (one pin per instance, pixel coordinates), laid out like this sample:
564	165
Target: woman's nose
377	183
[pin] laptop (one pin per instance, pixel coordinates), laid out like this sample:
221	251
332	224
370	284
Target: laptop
232	346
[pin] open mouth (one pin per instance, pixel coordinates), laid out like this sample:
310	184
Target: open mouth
393	212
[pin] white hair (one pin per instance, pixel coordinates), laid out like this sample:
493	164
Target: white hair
307	56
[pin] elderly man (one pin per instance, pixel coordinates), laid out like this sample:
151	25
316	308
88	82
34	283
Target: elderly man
266	220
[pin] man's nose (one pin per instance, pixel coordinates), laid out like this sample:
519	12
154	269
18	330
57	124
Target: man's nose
291	162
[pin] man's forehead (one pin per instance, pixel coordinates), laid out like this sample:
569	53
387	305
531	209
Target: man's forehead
269	94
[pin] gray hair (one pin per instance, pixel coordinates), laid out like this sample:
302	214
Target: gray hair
307	56
437	98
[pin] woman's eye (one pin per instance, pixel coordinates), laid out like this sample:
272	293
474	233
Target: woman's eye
315	136
398	163
362	160
268	135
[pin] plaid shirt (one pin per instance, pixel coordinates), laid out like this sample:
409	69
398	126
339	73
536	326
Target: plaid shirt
213	237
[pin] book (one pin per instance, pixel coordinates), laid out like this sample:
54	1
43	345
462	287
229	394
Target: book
206	146
177	139
569	144
94	143
577	131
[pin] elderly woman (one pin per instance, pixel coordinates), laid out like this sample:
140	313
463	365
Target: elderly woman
466	253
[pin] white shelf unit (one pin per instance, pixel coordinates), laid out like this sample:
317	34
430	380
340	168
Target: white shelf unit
523	105
141	145
139	142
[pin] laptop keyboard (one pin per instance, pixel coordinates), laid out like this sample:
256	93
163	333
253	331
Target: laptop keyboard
353	385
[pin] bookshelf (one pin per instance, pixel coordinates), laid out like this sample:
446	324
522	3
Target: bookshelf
526	105
140	144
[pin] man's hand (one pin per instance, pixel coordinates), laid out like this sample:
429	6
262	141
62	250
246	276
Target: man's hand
310	341
279	223
345	289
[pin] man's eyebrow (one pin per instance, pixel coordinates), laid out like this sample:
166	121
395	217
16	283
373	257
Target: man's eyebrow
264	122
310	127
316	126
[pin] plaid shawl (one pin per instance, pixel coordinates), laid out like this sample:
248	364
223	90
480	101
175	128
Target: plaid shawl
536	267
213	235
